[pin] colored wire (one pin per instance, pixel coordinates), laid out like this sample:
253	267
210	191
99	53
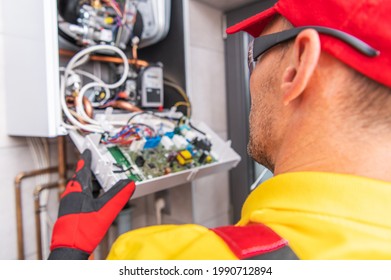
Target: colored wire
115	6
129	133
179	90
197	129
151	130
122	170
181	103
137	114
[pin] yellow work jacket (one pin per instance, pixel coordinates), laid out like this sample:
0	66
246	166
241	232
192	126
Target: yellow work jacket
322	215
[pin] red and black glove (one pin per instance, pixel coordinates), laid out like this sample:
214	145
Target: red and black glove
82	219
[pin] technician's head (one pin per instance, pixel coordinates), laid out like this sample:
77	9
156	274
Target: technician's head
331	78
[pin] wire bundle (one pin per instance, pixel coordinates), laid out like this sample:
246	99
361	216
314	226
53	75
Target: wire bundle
77	60
128	134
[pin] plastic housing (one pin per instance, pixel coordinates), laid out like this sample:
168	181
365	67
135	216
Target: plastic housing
102	163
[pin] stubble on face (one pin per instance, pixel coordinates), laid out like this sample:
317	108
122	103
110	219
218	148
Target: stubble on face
261	121
265	120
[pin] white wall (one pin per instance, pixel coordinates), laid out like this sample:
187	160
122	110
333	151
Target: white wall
208	96
15	157
205	202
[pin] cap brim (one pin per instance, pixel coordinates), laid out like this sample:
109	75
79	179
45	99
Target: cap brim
254	25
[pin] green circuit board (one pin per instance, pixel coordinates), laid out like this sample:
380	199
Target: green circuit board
122	163
155	162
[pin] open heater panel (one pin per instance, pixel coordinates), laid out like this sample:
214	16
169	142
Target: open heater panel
136	121
161	162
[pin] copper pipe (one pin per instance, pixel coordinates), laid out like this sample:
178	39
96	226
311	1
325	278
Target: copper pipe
37	193
96	4
116	60
18	197
134	51
88	107
72	102
62	163
122	105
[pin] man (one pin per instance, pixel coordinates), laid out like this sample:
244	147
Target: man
320	120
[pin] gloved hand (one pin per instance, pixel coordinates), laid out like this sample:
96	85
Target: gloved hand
82	219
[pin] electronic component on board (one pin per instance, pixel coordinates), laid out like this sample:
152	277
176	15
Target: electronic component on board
179	142
151	86
184	157
152	146
88	23
167	143
113	101
140	161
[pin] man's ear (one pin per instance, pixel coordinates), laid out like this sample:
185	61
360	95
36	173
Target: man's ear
303	62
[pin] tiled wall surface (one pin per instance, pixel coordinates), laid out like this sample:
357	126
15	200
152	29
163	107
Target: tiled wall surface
208	96
206	201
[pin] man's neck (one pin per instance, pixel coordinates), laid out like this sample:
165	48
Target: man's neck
327	150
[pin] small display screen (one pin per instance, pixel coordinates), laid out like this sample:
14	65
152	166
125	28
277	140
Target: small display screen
153	95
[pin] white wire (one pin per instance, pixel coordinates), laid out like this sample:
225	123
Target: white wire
47	150
43	150
33	152
259	179
68	114
68	126
74	121
42	159
40	152
88	75
118	123
92	77
73	63
80	108
82	61
76	57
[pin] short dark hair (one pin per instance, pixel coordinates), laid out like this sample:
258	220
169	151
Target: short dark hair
370	100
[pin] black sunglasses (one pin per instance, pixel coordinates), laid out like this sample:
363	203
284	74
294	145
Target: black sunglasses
260	45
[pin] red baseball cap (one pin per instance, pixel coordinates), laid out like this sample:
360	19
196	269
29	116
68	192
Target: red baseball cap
368	20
